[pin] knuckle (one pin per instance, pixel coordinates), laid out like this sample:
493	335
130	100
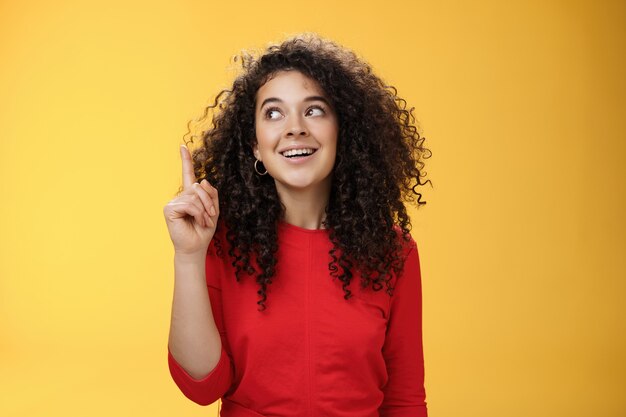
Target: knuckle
200	191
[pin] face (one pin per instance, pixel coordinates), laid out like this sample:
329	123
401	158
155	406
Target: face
296	132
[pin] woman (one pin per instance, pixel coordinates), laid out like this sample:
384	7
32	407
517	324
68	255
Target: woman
297	284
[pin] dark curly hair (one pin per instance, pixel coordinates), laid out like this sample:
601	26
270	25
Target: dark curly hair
378	148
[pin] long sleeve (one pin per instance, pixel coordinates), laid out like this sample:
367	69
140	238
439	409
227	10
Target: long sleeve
403	349
203	391
209	389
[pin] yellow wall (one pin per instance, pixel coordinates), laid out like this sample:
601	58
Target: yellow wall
522	241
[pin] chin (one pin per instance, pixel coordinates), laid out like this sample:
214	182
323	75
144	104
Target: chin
295	185
299	184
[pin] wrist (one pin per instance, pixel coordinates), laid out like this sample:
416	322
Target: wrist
190	257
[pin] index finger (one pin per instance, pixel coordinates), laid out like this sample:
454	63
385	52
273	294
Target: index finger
188	175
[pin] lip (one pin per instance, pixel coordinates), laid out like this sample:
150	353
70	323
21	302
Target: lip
292	147
296	160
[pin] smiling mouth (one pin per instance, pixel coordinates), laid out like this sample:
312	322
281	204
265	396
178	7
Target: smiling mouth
298	153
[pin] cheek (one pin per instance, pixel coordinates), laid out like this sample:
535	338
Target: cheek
333	156
266	139
326	133
333	142
264	147
262	142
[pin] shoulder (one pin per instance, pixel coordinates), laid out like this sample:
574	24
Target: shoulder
407	243
408	262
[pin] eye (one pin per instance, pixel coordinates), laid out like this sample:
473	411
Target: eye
315	111
272	113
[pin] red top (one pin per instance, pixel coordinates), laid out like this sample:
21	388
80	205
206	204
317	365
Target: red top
311	352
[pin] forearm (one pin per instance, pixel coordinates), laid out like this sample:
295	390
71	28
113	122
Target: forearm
194	339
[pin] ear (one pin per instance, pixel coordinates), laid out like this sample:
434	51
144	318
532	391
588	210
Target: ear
255	151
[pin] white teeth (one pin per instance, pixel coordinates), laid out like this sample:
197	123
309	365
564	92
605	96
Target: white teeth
294	152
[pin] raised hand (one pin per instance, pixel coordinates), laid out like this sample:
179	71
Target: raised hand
192	216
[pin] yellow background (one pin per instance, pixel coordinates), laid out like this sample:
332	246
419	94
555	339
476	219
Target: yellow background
522	240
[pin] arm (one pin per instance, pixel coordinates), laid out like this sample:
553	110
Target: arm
197	356
403	350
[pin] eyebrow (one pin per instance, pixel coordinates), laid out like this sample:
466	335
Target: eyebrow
310	98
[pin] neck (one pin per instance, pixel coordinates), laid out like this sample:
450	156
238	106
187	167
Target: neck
305	208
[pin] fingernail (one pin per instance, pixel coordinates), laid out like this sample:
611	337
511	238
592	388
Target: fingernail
212	211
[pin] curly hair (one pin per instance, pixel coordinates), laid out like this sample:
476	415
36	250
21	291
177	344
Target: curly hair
378	148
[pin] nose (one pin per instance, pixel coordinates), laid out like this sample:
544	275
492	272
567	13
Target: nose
296	128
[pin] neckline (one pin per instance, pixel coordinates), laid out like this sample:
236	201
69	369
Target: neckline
299	229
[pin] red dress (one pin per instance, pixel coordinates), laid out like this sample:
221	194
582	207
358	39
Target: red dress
311	352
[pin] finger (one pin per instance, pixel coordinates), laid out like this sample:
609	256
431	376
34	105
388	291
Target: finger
204	197
208	220
212	192
190	197
195	200
189	208
188	175
198	215
196	210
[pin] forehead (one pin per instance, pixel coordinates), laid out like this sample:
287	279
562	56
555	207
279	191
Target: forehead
286	84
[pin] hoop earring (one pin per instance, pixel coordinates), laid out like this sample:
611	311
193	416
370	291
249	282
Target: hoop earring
256	161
